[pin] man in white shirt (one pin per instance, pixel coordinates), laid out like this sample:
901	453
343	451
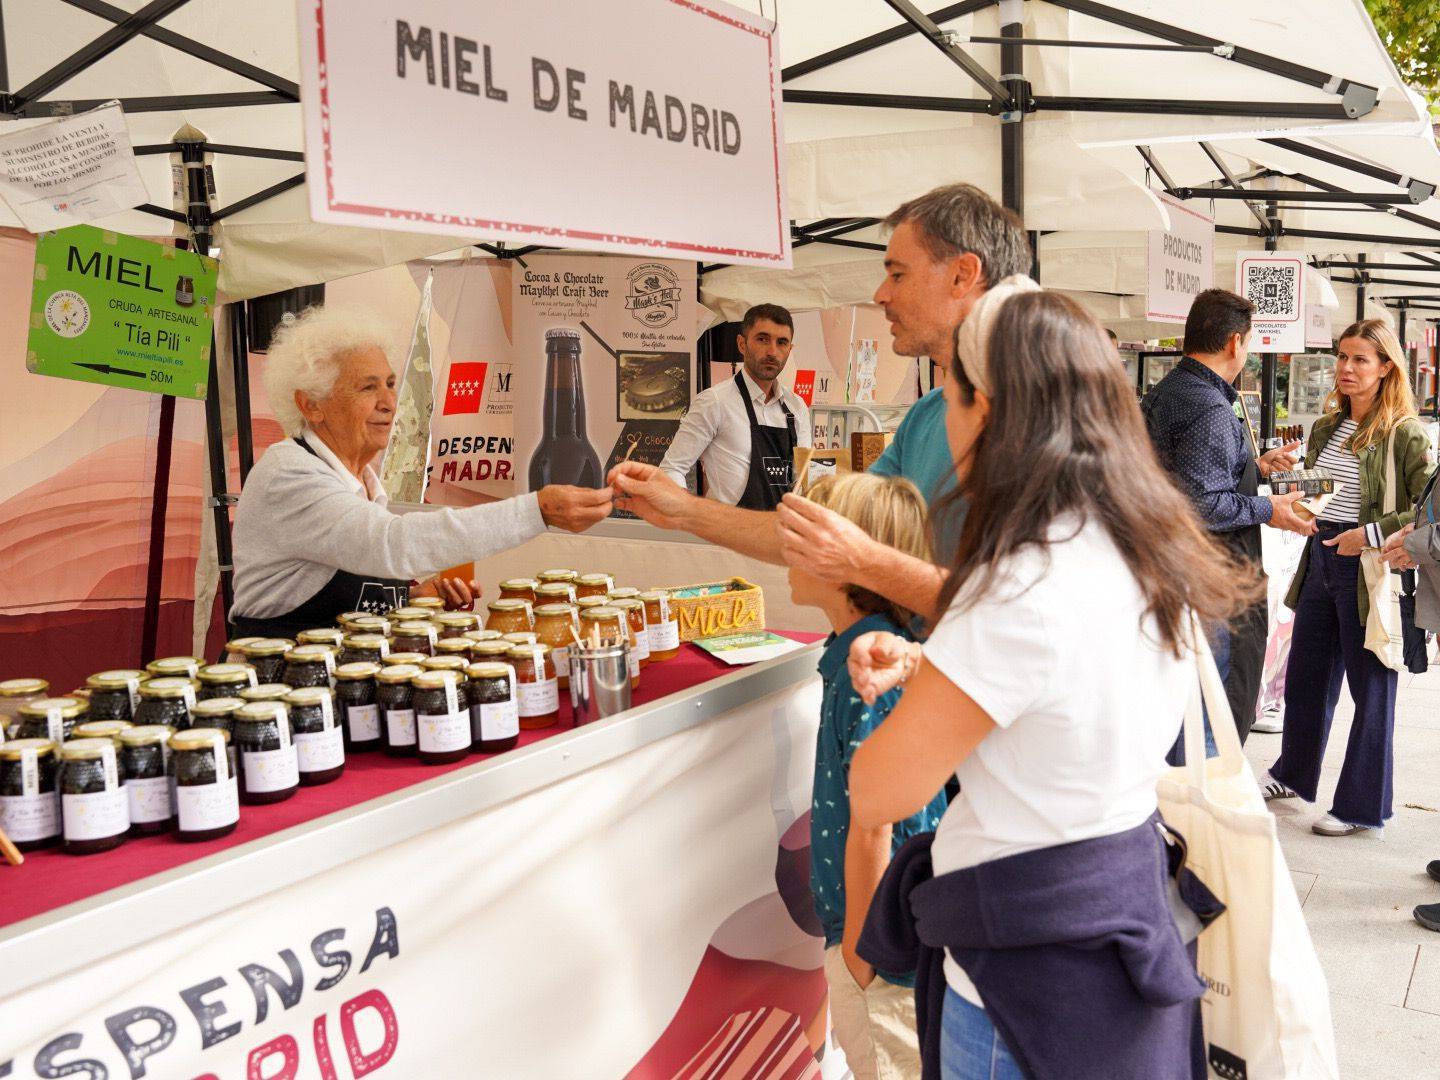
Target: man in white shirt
745	431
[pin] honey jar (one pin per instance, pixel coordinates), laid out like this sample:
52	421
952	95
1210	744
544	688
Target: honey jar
663	623
415	636
508	616
593	585
634	610
537	691
522	588
557	625
555	592
455	624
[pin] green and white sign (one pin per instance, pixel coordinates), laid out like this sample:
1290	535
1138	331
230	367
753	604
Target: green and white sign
108	308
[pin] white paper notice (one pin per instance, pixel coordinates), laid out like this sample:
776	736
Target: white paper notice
72	170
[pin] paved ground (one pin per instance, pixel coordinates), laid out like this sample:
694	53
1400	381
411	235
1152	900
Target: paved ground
1358	891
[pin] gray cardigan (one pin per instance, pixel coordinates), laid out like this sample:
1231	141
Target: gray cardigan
1423	546
298	522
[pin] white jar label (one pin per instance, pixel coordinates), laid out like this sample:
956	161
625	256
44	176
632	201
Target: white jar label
440	733
400	723
54	726
641	650
539	699
499	721
561	655
149	800
208	806
665	636
270	770
364	721
30	817
96	816
132	686
320	750
633	663
190	698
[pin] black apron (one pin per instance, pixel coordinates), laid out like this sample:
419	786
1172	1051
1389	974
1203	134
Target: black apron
772	457
343	592
1250	631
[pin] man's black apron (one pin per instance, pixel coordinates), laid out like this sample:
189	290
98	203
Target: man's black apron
772	457
343	592
1250	630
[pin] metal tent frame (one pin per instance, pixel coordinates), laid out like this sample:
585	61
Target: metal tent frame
1008	97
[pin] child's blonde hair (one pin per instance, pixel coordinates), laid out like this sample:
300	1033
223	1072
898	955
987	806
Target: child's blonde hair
891	510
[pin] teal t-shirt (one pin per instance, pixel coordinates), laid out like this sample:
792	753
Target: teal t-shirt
920	452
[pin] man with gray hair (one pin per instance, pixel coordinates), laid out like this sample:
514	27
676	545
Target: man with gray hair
946	248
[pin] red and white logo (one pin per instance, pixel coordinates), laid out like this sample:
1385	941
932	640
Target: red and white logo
467	387
805	386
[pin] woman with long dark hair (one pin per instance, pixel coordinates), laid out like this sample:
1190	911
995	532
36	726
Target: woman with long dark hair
1054	682
1369	431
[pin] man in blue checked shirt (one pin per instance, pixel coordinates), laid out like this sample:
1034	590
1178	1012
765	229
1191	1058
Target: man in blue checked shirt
1201	440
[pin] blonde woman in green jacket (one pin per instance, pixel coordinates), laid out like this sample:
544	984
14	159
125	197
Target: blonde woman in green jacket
1368	415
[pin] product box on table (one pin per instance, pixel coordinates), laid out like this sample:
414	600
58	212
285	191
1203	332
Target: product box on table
718	607
1306	481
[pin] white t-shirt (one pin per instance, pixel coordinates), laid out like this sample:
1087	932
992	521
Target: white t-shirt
1086	701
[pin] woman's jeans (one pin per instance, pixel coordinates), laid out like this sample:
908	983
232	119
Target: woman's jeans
970	1047
1328	645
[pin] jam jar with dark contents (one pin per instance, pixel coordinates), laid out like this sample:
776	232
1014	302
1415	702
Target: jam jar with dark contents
490	651
319	742
393	696
29	798
355	705
50	718
216	713
522	588
409	613
114	695
557	625
235	650
308	665
225	680
397	658
508	616
483	635
371	624
555	592
455	624
442	717
454	646
445	663
593	585
346	619
634	610
536	691
101	729
365	649
664	625
269	765
427	604
13	694
267	657
494	712
145	760
174	667
207	794
323	635
415	636
94	809
166	701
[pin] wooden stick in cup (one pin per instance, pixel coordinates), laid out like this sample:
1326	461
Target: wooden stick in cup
9	850
634	443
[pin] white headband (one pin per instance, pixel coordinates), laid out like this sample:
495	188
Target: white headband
974	333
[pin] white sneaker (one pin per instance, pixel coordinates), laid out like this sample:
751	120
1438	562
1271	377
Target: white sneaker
1271	723
1330	825
1273	789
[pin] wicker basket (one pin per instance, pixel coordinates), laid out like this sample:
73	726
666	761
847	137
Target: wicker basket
741	606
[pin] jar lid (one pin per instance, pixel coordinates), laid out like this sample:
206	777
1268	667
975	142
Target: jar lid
401	658
270	646
655	594
627	603
624	592
175	665
13	750
487	671
360	669
520	583
68	707
370	624
325	635
482	635
166	688
309	654
490	648
102	729
455	619
554	611
414	628
226	673
239	644
269	691
199	738
445	663
429	603
309	695
511	604
119	679
85	749
214	707
604	613
435	680
551	576
453	647
346	617
365	641
259	711
585	603
409	614
597	579
399	673
145	734
529	652
519	637
22	687
556	590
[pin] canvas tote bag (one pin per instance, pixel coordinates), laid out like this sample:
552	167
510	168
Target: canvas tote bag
1266	1011
1384	627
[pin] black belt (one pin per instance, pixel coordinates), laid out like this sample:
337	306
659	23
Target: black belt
1336	526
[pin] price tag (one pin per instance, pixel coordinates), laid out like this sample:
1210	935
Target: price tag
54	724
452	700
132	684
189	698
29	772
385	645
250	674
282	721
327	712
222	764
107	762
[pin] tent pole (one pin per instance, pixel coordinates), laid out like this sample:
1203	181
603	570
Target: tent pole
1404	347
1269	361
4	55
1012	120
240	363
159	511
1364	280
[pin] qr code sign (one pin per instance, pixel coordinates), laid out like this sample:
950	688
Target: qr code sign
1272	289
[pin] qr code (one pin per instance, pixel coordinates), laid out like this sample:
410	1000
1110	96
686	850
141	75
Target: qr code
1272	289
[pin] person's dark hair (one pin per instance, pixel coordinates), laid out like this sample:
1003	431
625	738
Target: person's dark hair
770	312
1065	436
1214	316
960	218
1114	337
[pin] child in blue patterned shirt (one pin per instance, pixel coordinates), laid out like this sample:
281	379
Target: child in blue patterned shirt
873	1017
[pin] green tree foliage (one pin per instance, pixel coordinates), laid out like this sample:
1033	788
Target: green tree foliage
1410	30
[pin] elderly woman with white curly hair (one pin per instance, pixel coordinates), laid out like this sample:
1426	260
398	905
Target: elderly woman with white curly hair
313	536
